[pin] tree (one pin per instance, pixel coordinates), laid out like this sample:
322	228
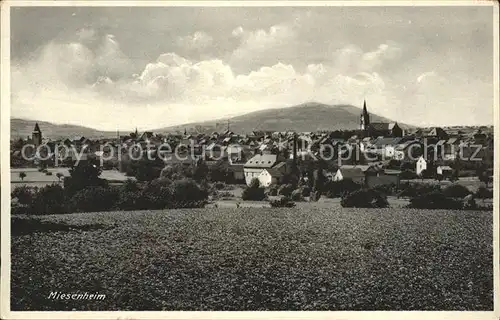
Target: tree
85	174
18	144
94	199
254	191
454	175
486	179
59	176
423	173
406	166
186	193
146	170
483	174
24	194
456	191
49	200
220	171
364	198
200	172
22	175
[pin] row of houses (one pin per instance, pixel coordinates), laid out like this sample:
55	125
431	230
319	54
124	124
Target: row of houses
269	156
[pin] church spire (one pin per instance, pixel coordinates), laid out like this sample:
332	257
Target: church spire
365	118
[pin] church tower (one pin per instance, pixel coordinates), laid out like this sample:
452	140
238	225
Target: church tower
36	135
365	118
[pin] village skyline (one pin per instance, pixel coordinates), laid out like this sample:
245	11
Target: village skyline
110	74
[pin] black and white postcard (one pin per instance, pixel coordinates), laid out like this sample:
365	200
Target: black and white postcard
185	159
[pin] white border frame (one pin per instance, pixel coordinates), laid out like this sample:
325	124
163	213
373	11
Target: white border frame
5	312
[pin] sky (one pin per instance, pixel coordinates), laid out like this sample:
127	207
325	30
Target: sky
114	68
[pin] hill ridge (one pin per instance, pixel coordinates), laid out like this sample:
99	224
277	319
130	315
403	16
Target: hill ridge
305	117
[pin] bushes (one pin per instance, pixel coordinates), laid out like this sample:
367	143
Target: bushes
110	164
297	195
222	195
434	200
338	188
24	194
364	198
386	189
254	191
414	189
273	190
456	191
49	200
408	175
187	194
221	171
164	193
93	199
282	202
306	191
220	185
86	174
484	193
157	194
285	190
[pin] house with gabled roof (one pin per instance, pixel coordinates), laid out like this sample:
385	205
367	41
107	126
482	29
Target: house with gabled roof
354	172
438	132
391	129
260	162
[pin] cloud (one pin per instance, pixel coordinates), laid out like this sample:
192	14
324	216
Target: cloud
88	75
237	32
198	90
262	46
197	40
429	76
383	54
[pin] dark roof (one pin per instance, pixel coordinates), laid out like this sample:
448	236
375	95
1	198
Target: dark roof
352	172
380	142
382	126
37	128
275	172
262	161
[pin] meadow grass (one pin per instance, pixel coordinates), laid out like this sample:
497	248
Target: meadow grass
257	259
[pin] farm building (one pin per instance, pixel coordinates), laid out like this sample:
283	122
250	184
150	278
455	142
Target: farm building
384	177
444	170
355	173
270	176
421	165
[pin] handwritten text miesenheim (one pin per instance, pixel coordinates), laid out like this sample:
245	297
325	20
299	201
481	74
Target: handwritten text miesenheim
56	295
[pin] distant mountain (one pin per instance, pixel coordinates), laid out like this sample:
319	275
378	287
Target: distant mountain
305	117
20	128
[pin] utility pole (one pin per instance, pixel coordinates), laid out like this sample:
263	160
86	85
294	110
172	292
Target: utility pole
227	124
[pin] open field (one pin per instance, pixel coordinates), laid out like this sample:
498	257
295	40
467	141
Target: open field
472	183
256	259
35	178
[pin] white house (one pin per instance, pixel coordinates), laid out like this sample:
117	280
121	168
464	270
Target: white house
390	152
356	173
254	167
269	176
440	170
264	167
421	165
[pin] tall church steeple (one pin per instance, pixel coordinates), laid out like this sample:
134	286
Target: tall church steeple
37	135
365	118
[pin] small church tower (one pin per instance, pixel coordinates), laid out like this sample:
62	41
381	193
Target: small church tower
365	118
36	135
